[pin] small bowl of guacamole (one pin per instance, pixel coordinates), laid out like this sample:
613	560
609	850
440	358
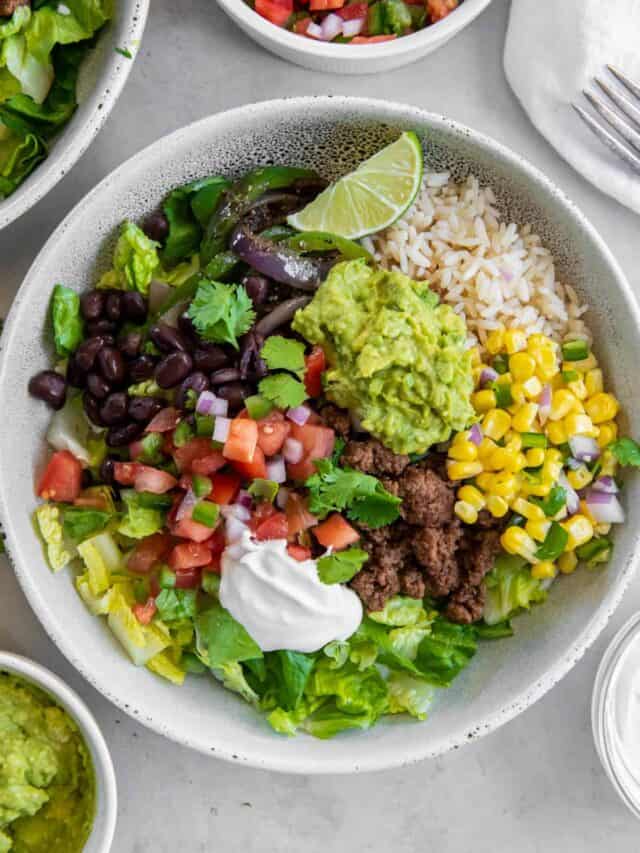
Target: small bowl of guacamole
57	783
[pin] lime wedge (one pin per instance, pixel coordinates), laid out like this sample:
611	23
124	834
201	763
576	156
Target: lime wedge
369	199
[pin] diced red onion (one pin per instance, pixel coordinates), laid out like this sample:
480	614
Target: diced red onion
221	429
353	27
572	498
584	448
314	31
300	414
282	497
544	404
573	464
292	450
186	505
158	292
205	403
276	470
237	511
475	434
605	508
605	484
234	528
331	27
220	407
244	499
488	375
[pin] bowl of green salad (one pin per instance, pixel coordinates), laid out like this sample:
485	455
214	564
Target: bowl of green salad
322	438
57	784
64	66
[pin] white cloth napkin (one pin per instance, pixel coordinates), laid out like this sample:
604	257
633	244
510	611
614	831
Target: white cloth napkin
554	49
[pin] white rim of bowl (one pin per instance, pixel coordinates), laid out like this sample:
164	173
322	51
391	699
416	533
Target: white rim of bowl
42	180
452	24
288	764
89	729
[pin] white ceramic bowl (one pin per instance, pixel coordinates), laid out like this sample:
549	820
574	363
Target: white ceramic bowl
351	59
102	78
104	824
332	134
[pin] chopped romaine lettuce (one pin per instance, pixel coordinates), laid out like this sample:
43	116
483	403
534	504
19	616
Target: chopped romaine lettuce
79	522
135	261
225	640
102	557
59	553
162	665
410	694
70	430
66	319
140	519
510	588
142	642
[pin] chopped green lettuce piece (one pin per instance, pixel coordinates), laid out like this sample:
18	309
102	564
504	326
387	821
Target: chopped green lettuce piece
188	209
410	694
59	553
135	261
446	651
102	557
142	642
66	319
510	588
401	610
70	430
225	640
175	604
162	665
233	677
140	518
81	522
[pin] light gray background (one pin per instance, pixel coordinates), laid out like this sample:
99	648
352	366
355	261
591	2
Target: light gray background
536	784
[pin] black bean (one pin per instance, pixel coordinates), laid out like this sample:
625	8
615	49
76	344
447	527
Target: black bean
188	330
167	338
107	470
129	344
173	369
92	304
88	350
111	365
156	226
98	386
113	306
257	287
134	306
196	382
208	357
101	327
49	387
142	409
92	408
142	368
76	376
227	374
120	435
114	409
235	393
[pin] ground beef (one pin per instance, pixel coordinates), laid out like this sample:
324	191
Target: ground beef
481	556
436	551
8	7
466	604
337	419
375	584
412	583
372	457
426	498
439	9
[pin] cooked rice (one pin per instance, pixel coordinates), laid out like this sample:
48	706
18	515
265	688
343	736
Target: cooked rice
492	272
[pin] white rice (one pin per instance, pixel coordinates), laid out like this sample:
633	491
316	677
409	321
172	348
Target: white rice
491	272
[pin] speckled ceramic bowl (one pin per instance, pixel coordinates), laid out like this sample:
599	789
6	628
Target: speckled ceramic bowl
102	77
333	135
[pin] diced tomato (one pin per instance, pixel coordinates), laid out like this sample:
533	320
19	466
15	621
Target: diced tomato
125	473
298	516
216	542
262	512
189	555
62	478
301	471
208	465
371	39
165	421
188	578
257	468
318	441
136	449
195	448
187	528
272	432
273	11
144	613
242	440
148	552
350	13
214	565
336	533
225	488
153	480
300	27
316	362
325	5
274	527
299	552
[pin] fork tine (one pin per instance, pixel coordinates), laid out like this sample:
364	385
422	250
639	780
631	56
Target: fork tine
613	119
622	102
631	86
609	139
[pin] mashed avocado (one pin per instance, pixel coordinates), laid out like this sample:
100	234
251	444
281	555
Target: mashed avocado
396	356
47	791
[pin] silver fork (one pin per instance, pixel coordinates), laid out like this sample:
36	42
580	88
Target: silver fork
628	130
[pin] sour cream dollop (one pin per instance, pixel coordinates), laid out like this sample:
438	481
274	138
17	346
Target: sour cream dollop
281	602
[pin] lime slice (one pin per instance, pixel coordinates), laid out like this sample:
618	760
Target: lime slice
369	199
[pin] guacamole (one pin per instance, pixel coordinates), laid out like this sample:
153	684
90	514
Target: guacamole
396	356
47	788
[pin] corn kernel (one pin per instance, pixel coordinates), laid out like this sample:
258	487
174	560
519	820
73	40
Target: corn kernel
472	496
575	424
486	448
608	432
532	388
518	395
556	432
582	366
578	389
547	363
567	562
528	510
463	470
538	529
594	382
580	530
522	366
562	402
540	490
476	372
579	478
465	512
534	457
552	454
557	382
476	360
463	451
539	341
523	420
602	529
514	540
484	480
495	341
515	340
503	484
543	570
504	379
513	441
551	471
497	506
496	423
609	464
484	401
602	407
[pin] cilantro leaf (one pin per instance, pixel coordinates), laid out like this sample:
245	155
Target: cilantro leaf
626	451
342	566
284	354
221	312
376	510
283	390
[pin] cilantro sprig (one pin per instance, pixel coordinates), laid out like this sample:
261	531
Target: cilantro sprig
221	312
626	451
284	354
283	390
341	566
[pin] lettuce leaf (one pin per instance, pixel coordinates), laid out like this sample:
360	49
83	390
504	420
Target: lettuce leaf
225	640
70	430
446	651
135	261
19	155
140	519
176	604
79	522
48	518
510	588
409	694
68	329
188	209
